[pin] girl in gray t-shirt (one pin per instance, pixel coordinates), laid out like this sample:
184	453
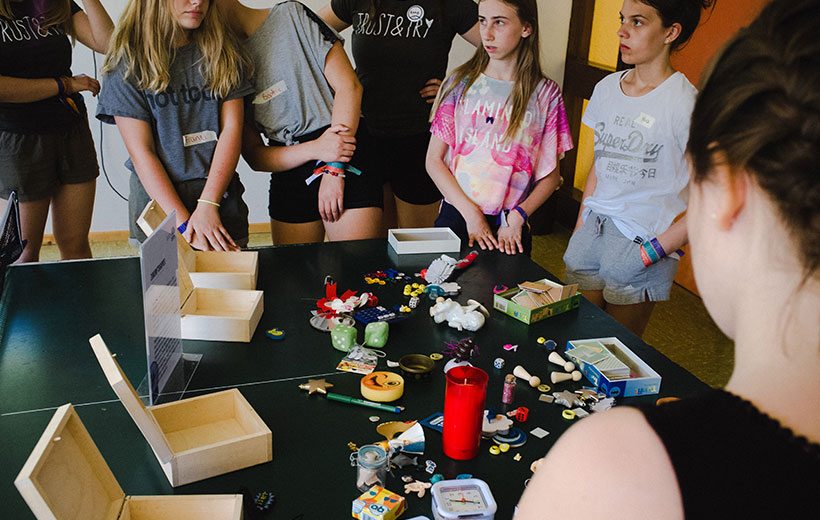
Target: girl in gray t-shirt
180	112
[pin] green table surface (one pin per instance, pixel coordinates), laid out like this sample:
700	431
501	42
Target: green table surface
49	311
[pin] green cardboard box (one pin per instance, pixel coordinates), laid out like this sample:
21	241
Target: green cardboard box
504	303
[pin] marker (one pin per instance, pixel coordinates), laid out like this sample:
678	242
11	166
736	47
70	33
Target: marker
361	402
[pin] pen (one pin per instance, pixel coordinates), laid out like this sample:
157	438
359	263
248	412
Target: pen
362	402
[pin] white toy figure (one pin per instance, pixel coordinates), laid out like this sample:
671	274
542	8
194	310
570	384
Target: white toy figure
470	317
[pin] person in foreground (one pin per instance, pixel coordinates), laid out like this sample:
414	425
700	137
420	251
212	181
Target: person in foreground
751	450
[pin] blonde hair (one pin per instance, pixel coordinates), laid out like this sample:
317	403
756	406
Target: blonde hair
528	73
57	14
141	40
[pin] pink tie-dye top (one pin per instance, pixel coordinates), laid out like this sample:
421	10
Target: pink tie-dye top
496	174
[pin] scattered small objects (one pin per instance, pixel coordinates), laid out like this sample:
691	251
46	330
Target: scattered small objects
541	340
568	414
406	478
494	449
498	363
517	457
316	386
508	391
498	289
514	348
414	302
602	405
374	418
464	476
434	422
522	413
664	400
470	317
436	478
567	398
546	398
580	413
556	358
402	460
544	388
590	395
539	432
263	501
521	372
515	438
560	377
435	356
392	364
418	487
430	466
494	424
352	446
462	350
550	344
275	334
504	447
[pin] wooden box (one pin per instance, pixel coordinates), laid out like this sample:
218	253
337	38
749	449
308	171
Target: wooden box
195	438
66	477
209	269
423	240
218	314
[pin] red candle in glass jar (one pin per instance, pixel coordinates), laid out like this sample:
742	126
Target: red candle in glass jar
463	411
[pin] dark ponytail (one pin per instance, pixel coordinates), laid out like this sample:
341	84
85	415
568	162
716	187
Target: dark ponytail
684	12
760	106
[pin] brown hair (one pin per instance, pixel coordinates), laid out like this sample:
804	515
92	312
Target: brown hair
528	72
760	106
684	12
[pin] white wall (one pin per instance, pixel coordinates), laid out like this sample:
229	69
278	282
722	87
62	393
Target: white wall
111	212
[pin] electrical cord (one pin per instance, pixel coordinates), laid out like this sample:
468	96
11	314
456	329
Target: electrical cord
102	154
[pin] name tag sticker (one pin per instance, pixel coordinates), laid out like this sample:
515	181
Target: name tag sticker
645	120
270	93
204	136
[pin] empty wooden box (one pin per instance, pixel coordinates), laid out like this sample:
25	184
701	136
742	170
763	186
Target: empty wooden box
195	438
209	269
66	477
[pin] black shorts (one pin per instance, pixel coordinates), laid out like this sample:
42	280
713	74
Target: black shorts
36	165
401	163
291	200
233	212
450	217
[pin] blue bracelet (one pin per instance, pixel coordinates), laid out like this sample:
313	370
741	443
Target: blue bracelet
521	212
182	227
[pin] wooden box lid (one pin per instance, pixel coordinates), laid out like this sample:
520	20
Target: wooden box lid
150	219
66	477
130	400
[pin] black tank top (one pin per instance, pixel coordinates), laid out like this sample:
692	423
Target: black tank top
733	461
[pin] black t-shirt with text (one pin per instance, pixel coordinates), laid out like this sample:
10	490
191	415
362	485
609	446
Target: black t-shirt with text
403	45
27	50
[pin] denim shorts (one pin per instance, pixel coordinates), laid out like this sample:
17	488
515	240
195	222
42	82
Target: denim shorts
600	258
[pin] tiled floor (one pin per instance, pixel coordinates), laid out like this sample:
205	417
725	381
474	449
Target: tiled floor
680	328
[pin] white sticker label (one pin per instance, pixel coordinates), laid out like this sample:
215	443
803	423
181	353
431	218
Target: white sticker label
270	93
204	136
645	120
415	13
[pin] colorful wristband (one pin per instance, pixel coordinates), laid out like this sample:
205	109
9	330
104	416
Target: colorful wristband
60	86
182	227
521	212
212	203
651	252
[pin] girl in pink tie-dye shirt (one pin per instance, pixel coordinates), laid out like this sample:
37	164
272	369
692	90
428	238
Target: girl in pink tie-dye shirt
504	126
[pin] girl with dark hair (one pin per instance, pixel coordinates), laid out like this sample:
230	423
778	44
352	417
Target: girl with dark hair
401	50
499	131
46	147
638	183
750	450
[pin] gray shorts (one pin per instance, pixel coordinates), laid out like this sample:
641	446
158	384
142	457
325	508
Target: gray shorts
36	165
600	258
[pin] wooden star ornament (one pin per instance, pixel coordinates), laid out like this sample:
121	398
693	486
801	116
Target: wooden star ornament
316	385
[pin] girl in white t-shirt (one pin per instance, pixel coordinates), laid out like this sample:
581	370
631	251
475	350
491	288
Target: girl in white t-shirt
638	182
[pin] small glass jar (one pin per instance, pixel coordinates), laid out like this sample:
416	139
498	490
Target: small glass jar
371	466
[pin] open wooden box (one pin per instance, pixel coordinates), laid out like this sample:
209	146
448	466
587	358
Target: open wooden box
66	477
210	269
195	438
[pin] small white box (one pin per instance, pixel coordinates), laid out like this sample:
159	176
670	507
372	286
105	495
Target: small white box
423	240
66	477
194	438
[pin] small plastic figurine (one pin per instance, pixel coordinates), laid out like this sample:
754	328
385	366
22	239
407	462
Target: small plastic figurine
471	316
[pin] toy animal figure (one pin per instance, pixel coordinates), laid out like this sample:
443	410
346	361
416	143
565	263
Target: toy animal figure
471	316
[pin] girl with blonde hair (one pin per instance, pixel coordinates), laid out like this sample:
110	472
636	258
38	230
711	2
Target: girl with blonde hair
174	82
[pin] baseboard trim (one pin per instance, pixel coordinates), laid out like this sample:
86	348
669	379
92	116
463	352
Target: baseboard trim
122	236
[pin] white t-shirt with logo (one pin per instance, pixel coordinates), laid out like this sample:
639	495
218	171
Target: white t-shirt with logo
642	171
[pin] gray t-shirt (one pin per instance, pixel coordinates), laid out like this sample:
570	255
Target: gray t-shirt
184	118
291	95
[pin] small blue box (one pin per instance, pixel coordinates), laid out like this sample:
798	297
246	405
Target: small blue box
642	381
